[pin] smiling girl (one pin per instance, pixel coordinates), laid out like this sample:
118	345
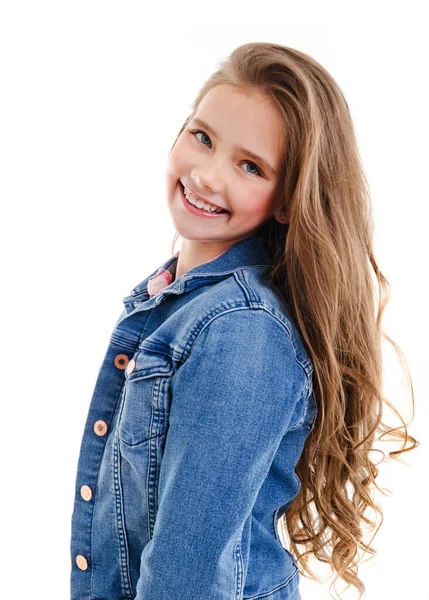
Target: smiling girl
242	384
215	160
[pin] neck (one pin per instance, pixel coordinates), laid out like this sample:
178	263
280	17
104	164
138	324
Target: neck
194	253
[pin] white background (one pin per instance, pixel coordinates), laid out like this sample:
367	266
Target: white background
92	96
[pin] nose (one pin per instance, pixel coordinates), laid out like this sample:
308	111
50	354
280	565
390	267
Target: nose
208	177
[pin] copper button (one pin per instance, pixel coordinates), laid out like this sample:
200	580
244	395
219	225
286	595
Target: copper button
121	361
100	427
86	492
131	366
81	562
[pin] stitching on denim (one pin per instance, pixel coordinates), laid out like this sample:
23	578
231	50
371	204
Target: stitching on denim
120	522
132	378
156	347
160	388
239	568
303	398
307	393
221	310
123	343
276	518
91	584
305	365
145	441
226	308
242	279
158	417
143	372
223	273
273	525
274	590
200	326
152	482
252	298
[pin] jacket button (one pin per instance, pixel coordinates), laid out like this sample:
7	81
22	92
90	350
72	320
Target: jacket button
100	427
131	366
121	361
81	562
86	492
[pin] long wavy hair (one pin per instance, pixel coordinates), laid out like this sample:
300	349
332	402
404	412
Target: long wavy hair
325	270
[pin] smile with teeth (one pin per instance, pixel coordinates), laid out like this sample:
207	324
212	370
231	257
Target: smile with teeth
199	203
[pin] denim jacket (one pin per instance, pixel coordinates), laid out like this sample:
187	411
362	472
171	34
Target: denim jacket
199	414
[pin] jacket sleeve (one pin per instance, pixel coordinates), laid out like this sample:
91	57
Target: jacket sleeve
233	399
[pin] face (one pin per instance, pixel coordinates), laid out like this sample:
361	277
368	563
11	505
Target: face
214	160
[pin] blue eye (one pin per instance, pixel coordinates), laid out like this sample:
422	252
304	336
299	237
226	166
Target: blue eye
252	163
198	131
258	173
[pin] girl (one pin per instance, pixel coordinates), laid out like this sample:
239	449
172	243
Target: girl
243	380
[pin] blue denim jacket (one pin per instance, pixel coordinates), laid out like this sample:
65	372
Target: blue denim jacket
198	417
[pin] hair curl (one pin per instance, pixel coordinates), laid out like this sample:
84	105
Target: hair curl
322	261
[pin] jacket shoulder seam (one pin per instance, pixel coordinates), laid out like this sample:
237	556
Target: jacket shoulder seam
254	301
233	307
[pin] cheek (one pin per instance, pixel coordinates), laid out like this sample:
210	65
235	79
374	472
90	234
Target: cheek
173	160
181	154
256	202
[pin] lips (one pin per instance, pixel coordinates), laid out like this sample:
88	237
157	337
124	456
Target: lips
204	214
198	197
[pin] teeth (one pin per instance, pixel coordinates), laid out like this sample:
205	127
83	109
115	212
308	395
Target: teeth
199	203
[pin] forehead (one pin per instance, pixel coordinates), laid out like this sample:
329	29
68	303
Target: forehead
244	118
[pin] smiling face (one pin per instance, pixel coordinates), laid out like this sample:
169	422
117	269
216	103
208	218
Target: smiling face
215	157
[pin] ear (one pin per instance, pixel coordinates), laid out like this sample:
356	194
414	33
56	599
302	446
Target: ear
282	216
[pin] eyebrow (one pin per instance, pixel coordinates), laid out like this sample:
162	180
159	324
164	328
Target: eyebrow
254	156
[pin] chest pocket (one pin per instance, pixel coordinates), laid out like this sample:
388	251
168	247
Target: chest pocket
147	398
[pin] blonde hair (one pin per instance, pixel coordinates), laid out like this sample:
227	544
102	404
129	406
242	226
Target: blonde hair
323	263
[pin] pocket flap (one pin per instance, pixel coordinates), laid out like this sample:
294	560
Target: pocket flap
149	363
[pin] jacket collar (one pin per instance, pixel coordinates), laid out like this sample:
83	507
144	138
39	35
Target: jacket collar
252	252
